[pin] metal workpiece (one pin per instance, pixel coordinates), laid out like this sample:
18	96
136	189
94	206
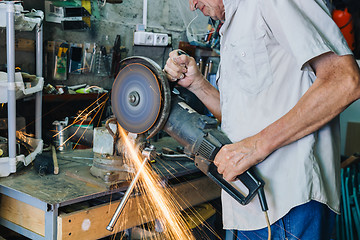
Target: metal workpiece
148	153
111	162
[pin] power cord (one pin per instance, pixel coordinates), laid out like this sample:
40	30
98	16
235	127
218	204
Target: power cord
264	208
268	225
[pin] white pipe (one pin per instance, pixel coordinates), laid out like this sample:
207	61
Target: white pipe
10	43
145	13
39	73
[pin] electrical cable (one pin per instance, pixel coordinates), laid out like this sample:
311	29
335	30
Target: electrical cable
268	225
101	3
197	34
264	208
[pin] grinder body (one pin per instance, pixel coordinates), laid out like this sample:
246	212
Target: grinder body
202	140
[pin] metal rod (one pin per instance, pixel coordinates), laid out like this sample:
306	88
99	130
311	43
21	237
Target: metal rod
10	43
124	200
39	73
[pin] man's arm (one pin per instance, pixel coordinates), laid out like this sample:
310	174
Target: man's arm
337	85
185	69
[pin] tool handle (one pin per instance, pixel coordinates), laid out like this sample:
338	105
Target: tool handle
249	178
181	52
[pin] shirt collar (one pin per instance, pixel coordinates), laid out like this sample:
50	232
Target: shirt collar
230	9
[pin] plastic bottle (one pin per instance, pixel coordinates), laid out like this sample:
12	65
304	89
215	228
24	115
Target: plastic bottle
343	19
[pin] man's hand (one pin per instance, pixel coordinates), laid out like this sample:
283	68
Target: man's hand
183	69
234	159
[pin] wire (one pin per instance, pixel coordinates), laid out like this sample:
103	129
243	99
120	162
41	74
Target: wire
101	3
197	34
268	225
264	208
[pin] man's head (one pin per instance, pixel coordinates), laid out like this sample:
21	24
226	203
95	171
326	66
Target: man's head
212	8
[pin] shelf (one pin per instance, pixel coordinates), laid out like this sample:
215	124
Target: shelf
7	166
21	91
71	97
12	87
24	20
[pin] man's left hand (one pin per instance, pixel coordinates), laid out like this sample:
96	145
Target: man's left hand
234	159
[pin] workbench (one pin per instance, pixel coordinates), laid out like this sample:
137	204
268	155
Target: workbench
76	205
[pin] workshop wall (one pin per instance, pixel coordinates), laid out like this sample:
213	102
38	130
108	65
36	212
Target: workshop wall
113	19
121	19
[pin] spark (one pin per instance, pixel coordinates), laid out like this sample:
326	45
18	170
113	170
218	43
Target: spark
82	117
196	217
162	204
61	105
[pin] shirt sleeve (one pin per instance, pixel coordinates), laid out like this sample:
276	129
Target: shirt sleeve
303	27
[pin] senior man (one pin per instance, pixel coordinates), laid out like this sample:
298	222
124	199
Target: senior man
285	74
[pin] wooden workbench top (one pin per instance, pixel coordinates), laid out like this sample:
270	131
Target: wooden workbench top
74	183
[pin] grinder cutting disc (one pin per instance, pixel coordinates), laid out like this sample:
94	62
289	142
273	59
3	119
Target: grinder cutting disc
137	96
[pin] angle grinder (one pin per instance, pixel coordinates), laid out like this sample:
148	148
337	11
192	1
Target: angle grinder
143	102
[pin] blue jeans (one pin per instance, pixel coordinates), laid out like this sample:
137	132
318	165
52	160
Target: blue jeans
310	221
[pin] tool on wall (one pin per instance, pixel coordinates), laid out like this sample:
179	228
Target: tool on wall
71	14
143	102
61	59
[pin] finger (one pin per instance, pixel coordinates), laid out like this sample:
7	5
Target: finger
242	165
169	76
170	64
221	168
173	75
230	177
173	53
181	60
217	159
230	173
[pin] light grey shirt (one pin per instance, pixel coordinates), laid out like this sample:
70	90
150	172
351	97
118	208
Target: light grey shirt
263	72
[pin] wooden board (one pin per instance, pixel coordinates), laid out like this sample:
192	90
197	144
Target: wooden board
27	45
22	214
91	223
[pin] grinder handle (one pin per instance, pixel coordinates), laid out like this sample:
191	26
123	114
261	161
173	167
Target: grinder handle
249	178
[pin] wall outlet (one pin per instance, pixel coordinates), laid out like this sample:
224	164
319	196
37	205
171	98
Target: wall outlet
151	39
161	39
144	38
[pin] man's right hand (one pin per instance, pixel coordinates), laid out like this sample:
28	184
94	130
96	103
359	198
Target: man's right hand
183	70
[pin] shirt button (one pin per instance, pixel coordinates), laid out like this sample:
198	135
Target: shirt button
243	54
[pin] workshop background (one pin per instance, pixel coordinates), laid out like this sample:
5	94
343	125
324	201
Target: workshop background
81	53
